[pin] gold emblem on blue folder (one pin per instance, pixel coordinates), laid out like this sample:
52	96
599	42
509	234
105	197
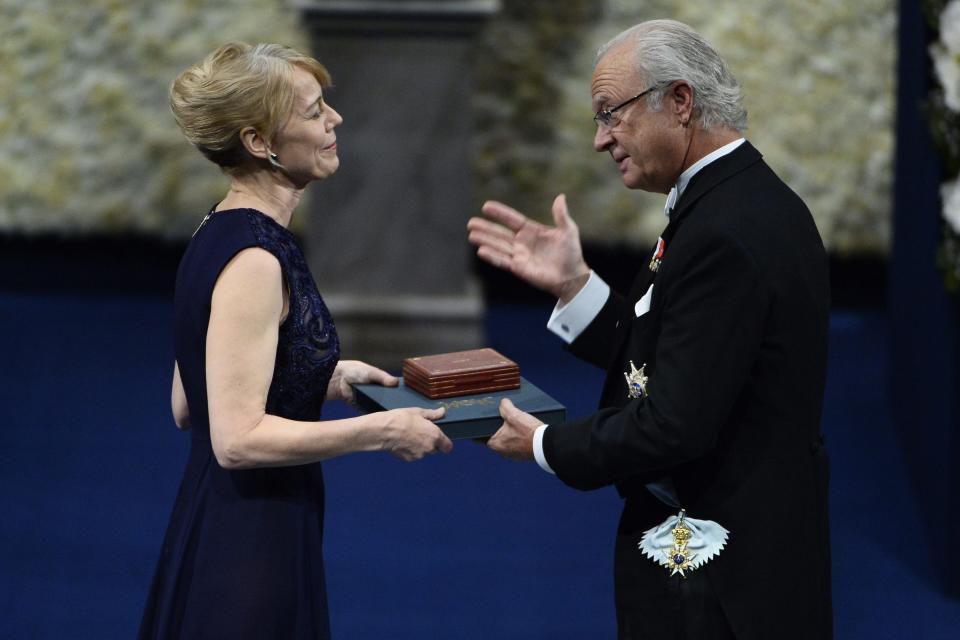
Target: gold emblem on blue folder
636	382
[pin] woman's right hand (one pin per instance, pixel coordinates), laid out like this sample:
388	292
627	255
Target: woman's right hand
409	433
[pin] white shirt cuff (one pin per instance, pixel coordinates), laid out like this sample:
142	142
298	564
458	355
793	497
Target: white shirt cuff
569	320
538	449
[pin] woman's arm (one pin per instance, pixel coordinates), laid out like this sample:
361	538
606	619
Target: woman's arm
178	401
242	335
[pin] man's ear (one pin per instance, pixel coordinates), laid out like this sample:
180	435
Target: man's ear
254	143
680	98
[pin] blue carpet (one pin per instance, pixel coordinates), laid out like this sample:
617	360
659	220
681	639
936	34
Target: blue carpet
459	546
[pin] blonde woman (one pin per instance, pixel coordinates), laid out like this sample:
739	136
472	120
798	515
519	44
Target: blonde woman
256	356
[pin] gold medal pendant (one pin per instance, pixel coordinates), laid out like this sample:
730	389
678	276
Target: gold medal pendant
636	382
678	558
681	544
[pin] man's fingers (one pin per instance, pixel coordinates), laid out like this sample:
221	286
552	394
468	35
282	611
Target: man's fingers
443	444
494	257
508	410
483	239
490	228
494	441
517	418
494	243
561	215
504	214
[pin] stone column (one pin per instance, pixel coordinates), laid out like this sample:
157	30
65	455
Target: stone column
386	236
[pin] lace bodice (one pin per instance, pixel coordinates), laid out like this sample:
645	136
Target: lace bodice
307	347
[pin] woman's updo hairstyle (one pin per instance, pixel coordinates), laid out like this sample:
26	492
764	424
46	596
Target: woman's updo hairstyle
237	86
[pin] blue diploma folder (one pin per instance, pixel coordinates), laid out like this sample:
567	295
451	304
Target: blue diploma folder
474	416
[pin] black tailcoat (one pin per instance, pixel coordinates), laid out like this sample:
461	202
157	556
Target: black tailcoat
734	345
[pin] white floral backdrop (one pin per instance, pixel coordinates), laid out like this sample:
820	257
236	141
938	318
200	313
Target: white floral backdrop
87	142
819	86
943	109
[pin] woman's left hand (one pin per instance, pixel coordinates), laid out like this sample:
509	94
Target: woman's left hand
350	372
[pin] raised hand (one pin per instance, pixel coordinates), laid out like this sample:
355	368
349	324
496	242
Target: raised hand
409	433
514	439
349	372
549	258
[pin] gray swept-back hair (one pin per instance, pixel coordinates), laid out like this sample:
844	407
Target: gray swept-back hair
666	51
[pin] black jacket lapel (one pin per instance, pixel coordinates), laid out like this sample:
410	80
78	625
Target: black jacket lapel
706	179
709	177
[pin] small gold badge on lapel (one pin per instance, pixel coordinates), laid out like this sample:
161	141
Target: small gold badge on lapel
636	382
657	256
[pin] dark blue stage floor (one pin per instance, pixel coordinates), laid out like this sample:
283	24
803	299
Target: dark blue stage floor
462	546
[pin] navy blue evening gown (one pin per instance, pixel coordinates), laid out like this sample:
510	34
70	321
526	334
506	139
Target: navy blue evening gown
242	556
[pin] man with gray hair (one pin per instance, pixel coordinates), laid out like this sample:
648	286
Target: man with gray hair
709	419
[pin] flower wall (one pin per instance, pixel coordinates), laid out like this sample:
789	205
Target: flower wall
944	114
819	85
87	141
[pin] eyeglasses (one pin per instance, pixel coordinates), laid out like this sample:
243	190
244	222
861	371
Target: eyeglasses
607	118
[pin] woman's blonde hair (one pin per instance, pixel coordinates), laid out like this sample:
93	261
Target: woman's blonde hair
237	86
